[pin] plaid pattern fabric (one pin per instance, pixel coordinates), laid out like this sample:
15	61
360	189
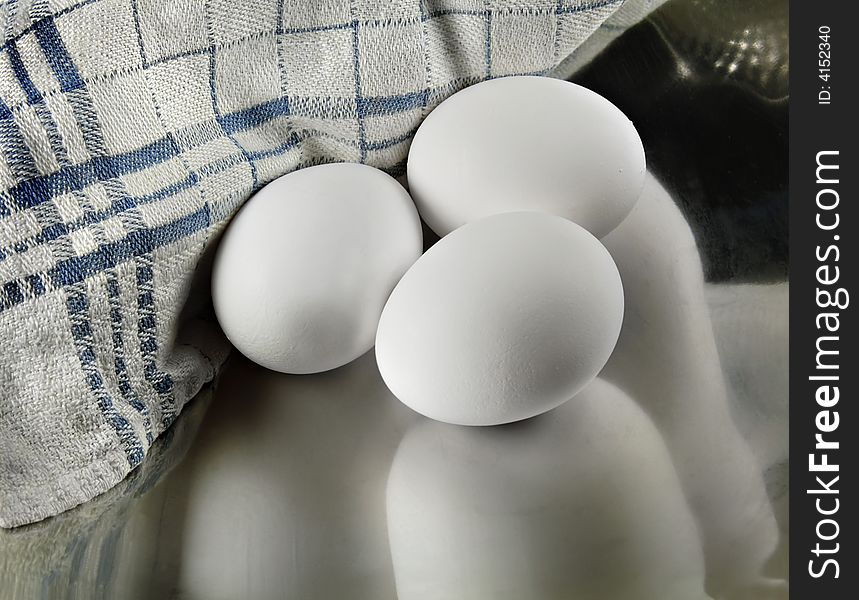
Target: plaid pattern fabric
131	130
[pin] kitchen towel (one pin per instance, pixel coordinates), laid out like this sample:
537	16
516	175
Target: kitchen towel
130	132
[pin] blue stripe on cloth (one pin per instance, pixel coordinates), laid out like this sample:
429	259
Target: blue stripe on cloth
87	119
141	48
233	124
12	293
118	206
43	112
20	71
556	42
36	285
30	28
56	54
120	368
135	222
141	239
55	138
37	189
292	142
124	203
222	164
72	271
160	380
77	305
136	243
10	20
254	116
384	105
279	47
17	154
392	141
487	44
362	142
34	191
217	109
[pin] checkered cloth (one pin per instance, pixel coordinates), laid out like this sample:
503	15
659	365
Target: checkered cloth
130	132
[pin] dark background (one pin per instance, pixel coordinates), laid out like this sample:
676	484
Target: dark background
712	109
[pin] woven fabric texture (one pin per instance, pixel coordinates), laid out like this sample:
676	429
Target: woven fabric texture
130	132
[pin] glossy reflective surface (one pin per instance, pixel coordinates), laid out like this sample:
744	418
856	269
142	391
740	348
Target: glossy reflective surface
325	486
705	82
666	479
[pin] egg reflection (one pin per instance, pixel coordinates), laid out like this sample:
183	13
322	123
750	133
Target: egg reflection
582	503
666	358
286	495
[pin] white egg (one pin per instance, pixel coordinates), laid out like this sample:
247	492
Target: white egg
526	143
303	271
501	320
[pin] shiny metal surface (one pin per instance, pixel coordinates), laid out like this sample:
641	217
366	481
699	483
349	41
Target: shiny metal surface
325	487
705	82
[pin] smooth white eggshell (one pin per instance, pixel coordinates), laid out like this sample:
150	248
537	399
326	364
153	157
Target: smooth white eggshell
503	319
526	143
304	269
